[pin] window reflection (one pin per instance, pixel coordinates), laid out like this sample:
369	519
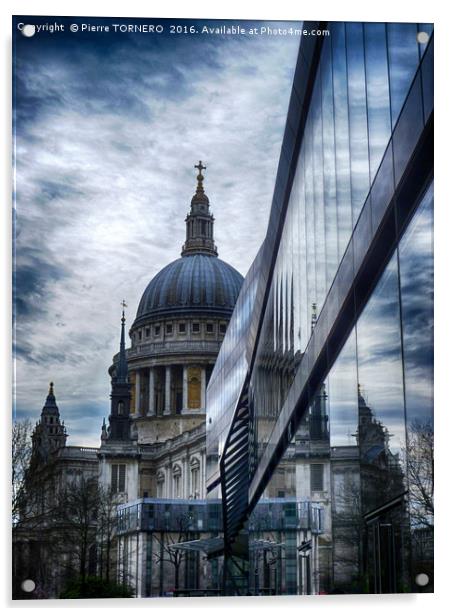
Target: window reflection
403	56
341	136
377	83
355	453
381	438
329	167
343	400
416	286
359	147
319	203
381	431
345	137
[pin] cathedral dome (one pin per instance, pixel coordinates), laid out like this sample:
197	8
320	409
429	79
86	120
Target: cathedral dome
199	283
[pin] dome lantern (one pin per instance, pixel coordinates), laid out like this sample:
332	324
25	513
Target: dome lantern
199	221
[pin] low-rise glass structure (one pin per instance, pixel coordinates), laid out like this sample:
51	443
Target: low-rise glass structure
175	546
323	388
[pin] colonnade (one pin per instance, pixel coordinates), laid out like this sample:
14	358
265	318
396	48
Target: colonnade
170	389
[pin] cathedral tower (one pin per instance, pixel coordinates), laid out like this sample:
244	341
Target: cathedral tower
119	420
49	433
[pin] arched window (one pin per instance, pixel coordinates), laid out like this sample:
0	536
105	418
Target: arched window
160	485
195	466
177	481
120	407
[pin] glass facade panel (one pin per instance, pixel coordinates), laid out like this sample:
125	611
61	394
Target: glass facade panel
381	431
329	167
416	283
319	202
408	128
345	138
377	84
348	441
341	136
381	439
359	144
226	381
416	287
424	29
310	221
342	396
403	57
427	82
383	188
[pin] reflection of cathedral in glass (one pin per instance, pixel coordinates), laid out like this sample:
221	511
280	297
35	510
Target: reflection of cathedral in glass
336	372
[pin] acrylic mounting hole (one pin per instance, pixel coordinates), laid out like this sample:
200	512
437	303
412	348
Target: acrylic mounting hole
422	37
28	586
29	30
422	579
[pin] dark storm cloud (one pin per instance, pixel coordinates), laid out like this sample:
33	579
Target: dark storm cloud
61	189
32	276
32	104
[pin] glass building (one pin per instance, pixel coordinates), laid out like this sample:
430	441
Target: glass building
323	388
181	541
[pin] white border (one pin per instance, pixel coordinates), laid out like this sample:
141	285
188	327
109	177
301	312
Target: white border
333	10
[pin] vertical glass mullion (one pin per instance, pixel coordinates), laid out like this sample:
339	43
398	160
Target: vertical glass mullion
377	86
319	212
403	61
304	335
310	228
329	168
341	137
359	148
296	257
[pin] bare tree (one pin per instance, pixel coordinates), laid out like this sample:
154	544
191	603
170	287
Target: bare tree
106	535
420	467
76	528
167	553
20	461
35	514
347	530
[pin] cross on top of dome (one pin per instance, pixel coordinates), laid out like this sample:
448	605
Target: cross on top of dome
200	167
200	196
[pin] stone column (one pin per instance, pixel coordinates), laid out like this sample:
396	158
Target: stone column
137	392
185	389
167	410
185	477
202	472
169	482
203	388
151	405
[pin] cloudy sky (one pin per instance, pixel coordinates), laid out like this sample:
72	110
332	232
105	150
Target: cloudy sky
107	130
